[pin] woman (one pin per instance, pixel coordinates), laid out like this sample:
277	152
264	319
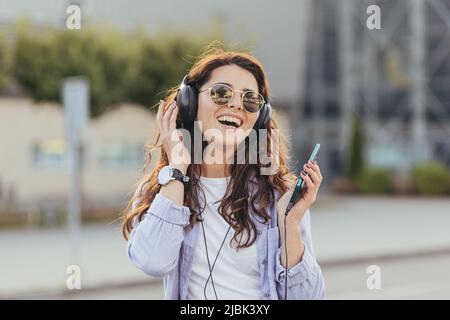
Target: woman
217	229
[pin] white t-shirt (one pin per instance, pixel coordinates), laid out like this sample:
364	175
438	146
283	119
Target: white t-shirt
236	273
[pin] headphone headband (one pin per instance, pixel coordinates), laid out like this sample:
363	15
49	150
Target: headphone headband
184	82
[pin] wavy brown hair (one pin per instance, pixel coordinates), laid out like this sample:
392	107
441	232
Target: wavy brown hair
237	199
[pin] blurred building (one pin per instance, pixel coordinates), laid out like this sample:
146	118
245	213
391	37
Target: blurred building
324	65
273	31
395	79
33	169
34	155
33	162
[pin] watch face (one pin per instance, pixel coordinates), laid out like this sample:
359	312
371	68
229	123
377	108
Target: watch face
165	175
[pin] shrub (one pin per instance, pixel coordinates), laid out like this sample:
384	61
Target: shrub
431	179
376	181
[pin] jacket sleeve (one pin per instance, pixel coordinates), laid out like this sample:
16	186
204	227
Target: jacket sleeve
305	279
154	243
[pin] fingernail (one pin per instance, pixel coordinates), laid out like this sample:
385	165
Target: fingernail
303	173
307	165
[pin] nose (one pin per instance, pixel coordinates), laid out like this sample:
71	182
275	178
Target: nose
236	102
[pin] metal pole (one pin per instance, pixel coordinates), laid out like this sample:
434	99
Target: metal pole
417	92
74	207
319	90
346	63
76	109
370	91
297	113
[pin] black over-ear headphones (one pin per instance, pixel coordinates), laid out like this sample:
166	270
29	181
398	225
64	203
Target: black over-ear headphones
187	101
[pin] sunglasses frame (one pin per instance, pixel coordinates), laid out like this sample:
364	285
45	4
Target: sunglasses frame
232	95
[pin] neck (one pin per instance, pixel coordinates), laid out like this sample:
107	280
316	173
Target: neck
215	170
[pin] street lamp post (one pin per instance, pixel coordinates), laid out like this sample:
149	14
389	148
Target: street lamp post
75	93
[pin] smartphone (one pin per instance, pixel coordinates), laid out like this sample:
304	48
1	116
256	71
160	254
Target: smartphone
300	182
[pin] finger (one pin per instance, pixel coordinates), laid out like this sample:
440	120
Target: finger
314	164
160	113
308	180
291	189
173	119
167	112
312	174
292	184
166	117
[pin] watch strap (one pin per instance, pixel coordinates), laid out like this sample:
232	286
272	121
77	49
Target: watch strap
178	175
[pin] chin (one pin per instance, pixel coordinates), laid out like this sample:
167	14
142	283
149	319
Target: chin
233	138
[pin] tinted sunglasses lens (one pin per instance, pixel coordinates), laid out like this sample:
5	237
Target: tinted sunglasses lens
221	94
252	101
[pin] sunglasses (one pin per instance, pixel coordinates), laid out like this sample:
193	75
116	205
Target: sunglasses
222	94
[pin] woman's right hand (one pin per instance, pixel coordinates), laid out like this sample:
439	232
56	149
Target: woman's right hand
172	138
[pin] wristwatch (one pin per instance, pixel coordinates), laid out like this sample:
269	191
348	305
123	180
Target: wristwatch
167	174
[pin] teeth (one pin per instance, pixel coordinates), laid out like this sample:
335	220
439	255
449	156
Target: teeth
235	120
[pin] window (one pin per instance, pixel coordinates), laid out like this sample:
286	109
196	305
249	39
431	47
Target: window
50	153
121	155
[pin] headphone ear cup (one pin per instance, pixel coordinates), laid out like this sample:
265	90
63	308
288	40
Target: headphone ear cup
187	101
264	117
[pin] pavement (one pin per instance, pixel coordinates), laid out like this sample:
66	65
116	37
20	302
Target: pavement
406	278
407	237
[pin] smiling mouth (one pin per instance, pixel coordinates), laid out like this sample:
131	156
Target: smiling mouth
229	122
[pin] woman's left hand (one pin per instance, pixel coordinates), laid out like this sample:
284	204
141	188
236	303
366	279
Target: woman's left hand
313	181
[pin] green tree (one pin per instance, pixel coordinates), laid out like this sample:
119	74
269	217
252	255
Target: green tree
119	68
40	64
3	67
160	65
355	160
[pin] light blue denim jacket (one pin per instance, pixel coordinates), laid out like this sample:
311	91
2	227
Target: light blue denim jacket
163	245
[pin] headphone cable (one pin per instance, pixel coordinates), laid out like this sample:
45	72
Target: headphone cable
209	265
206	248
214	263
286	258
289	207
